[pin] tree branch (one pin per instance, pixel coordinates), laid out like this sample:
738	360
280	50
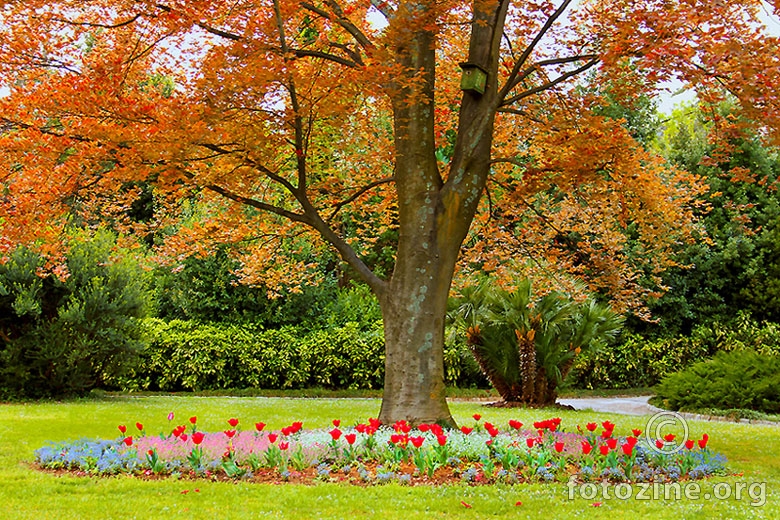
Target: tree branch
550	84
296	217
512	80
207	28
99	25
358	193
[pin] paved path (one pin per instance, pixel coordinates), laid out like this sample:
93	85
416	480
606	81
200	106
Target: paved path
640	406
623	405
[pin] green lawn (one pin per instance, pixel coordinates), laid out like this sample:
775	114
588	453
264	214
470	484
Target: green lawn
752	450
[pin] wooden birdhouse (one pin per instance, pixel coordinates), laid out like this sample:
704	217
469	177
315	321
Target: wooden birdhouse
473	79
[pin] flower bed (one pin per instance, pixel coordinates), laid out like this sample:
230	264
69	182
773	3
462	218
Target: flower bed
370	453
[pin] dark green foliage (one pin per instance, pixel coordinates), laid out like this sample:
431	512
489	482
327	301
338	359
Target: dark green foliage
738	267
635	362
187	355
526	344
207	289
643	362
67	337
741	379
355	304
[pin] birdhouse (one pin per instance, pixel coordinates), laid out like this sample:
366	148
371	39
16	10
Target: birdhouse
473	79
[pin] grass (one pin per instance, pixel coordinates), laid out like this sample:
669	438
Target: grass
753	450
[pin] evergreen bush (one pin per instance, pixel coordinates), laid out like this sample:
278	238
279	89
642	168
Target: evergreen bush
64	335
741	379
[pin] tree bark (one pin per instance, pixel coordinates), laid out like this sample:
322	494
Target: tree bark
434	214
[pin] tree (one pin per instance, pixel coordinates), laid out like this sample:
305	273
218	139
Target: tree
305	111
736	267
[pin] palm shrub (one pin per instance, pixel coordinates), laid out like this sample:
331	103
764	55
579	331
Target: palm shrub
66	334
526	344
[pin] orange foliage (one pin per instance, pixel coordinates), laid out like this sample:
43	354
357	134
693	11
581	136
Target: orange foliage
259	120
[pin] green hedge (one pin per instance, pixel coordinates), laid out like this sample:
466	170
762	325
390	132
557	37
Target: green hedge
637	362
740	379
188	355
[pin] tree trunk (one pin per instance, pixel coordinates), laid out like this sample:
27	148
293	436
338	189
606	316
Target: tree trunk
434	216
414	314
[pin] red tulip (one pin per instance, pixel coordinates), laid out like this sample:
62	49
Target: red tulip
606	434
466	430
515	424
586	447
558	446
441	439
336	422
296	426
612	443
193	419
659	444
184	437
591	426
627	449
272	437
128	440
608	425
436	429
374	423
703	441
335	433
287	430
284	445
259	426
139	426
637	432
632	441
477	417
350	438
230	433
150	452
669	437
424	427
122	428
604	449
197	437
417	441
689	444
530	441
233	422
492	431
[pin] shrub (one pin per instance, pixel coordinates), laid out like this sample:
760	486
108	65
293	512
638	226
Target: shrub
67	336
635	362
526	343
188	355
639	362
208	290
741	379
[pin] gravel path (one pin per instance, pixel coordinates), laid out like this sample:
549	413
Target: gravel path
640	406
623	405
